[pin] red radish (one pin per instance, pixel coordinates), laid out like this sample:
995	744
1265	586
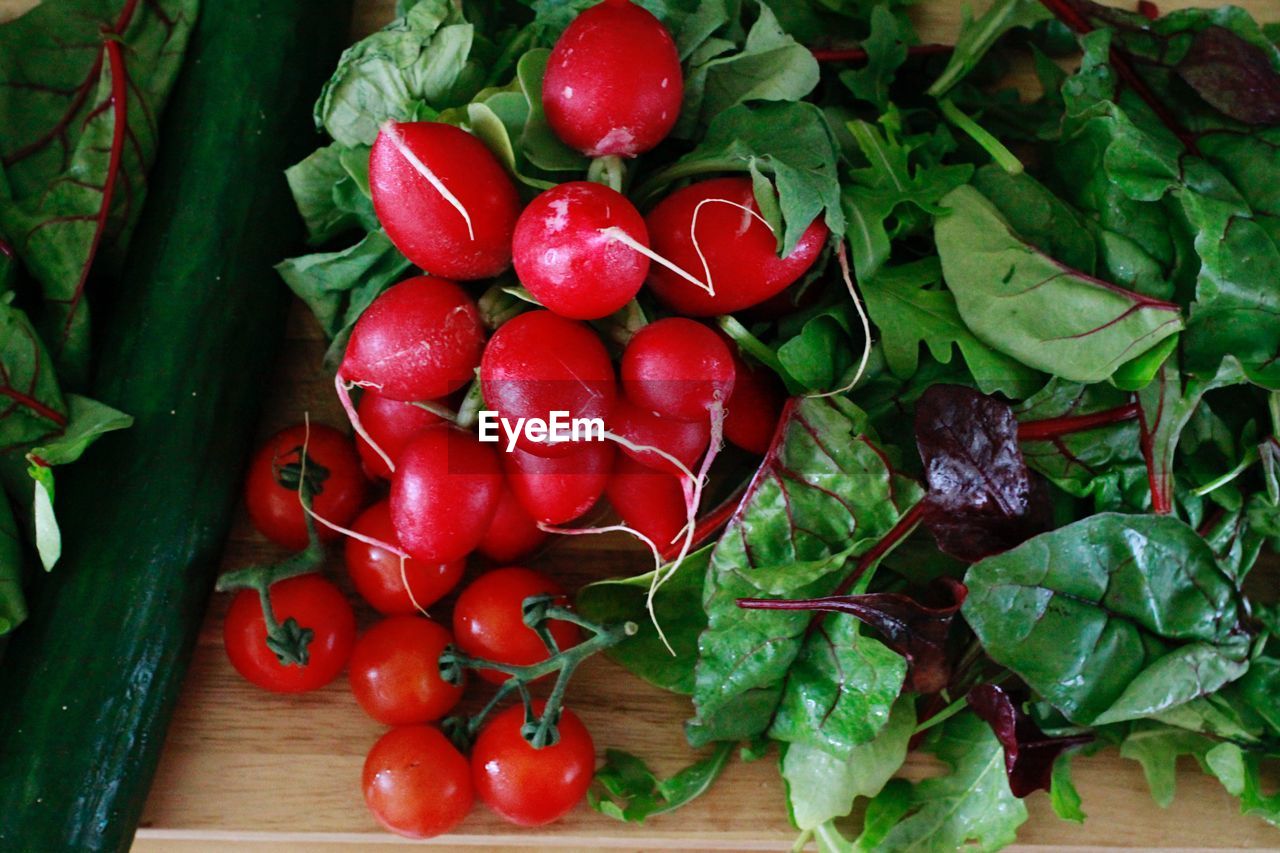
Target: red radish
444	200
754	407
392	586
647	500
513	533
734	253
574	250
613	84
559	489
391	424
677	368
420	340
685	440
444	494
539	363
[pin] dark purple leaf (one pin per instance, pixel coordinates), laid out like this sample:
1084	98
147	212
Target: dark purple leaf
914	630
1028	752
980	490
1233	76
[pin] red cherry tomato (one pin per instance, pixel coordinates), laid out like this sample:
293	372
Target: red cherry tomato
375	571
395	671
271	489
392	424
513	534
488	619
314	603
416	783
527	786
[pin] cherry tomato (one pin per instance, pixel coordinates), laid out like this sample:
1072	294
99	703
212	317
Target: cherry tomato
416	783
488	619
375	571
314	603
395	671
271	489
527	786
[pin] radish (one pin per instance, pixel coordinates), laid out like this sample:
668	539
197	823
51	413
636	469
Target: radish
649	501
513	534
575	249
562	488
444	200
754	407
685	440
677	368
539	363
731	251
444	494
613	84
391	424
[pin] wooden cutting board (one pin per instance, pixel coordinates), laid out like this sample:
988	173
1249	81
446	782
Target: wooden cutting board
247	770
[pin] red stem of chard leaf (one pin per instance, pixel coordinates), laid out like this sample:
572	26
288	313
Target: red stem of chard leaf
29	402
1161	491
857	54
1067	14
707	525
887	543
1049	428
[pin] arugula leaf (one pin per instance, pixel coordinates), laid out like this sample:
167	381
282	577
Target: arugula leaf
1157	748
1063	796
1240	773
423	58
822	786
727	70
826	492
908	313
632	793
1111	618
338	286
1015	298
75	155
13	605
787	141
971	806
331	198
678	605
822	353
886	48
978	36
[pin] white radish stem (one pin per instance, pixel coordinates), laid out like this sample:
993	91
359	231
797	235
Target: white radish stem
862	316
392	130
344	397
613	232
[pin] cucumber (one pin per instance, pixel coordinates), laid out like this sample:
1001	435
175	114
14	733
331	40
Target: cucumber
89	683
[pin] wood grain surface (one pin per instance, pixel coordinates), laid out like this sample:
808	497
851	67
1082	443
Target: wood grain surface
254	772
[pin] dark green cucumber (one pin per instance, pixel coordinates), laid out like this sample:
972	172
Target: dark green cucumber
89	683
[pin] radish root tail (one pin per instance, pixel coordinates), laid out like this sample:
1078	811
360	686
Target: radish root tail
843	258
344	396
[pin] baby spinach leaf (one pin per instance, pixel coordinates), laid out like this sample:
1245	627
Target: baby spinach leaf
789	142
822	786
13	605
81	88
1013	296
678	605
971	806
723	72
1039	216
632	793
338	286
1110	618
424	57
826	489
908	313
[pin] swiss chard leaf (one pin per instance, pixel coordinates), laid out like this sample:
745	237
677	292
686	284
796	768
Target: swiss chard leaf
632	793
31	403
1013	297
1111	618
1030	756
971	806
909	312
81	88
825	493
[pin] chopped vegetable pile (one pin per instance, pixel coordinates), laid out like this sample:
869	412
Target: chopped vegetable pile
947	411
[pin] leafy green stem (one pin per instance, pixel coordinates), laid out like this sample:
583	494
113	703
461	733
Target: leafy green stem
678	171
1003	157
1251	456
608	170
757	349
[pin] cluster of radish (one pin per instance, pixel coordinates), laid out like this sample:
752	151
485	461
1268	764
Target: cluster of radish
421	354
